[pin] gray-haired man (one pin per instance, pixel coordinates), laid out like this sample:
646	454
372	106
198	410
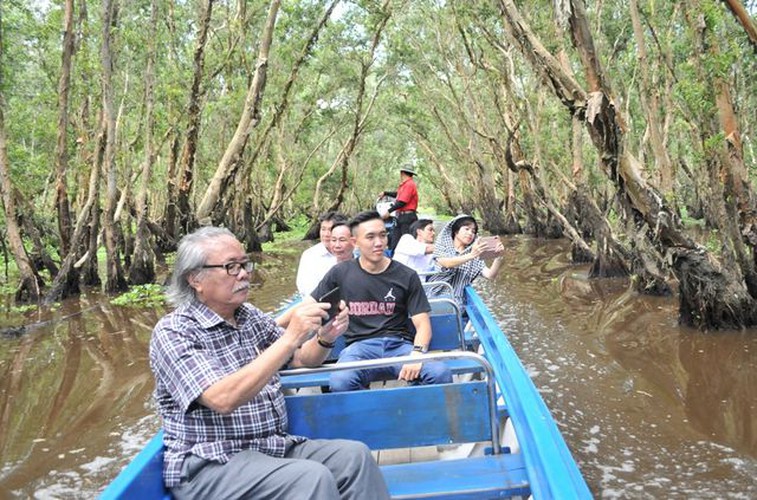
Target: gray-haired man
215	360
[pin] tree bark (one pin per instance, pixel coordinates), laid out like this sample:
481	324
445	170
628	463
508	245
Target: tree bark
61	147
180	220
729	180
746	21
142	269
114	281
66	282
29	281
650	103
170	218
230	162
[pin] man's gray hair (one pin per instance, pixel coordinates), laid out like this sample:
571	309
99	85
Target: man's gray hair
190	257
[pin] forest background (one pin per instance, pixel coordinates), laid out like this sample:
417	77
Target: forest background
626	126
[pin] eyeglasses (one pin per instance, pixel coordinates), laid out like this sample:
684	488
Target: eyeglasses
233	268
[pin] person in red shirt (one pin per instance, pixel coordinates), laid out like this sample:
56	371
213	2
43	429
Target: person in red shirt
404	206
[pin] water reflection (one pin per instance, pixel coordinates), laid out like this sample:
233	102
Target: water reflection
649	409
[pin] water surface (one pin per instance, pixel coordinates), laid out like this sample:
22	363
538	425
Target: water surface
649	409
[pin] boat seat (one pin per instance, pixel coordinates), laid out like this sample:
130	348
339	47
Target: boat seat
491	476
448	335
456	413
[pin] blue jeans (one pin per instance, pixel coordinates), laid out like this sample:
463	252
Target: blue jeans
433	372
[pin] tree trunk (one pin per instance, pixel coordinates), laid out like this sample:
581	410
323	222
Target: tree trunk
114	281
724	302
66	282
650	103
280	109
29	281
746	21
183	212
61	148
230	162
729	180
142	269
170	219
39	255
90	274
443	182
361	117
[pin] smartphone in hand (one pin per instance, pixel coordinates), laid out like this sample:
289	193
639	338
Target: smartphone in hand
332	297
491	243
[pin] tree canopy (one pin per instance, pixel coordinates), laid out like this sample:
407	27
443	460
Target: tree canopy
620	125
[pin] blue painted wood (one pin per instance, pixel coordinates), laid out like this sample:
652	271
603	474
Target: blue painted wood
497	476
551	468
143	477
456	366
401	417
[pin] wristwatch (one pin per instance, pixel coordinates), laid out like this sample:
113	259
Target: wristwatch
420	348
324	343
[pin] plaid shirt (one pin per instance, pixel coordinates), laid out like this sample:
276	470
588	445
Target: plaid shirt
191	349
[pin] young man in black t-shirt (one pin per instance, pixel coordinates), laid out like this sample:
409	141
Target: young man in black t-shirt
381	294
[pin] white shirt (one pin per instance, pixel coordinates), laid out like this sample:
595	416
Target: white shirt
412	253
314	263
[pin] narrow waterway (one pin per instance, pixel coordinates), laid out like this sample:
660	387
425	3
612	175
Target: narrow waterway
650	410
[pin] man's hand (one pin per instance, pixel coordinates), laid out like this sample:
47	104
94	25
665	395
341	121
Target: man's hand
338	325
412	371
305	321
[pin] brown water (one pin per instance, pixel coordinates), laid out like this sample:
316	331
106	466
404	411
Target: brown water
650	410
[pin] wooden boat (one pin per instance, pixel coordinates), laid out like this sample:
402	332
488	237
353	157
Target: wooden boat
478	409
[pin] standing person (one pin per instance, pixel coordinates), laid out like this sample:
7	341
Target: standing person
341	242
381	294
458	256
318	259
215	360
404	207
416	249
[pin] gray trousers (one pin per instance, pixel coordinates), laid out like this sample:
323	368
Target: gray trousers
319	469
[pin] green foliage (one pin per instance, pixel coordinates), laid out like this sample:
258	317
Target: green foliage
298	227
21	309
432	98
714	242
149	295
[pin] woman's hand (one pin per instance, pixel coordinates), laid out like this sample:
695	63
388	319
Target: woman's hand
478	248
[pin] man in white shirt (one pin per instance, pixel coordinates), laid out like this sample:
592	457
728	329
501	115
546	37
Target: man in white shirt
318	259
342	245
416	250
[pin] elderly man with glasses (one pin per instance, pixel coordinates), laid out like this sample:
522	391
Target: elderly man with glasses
215	360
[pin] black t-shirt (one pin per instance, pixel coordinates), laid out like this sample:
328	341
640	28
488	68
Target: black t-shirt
380	304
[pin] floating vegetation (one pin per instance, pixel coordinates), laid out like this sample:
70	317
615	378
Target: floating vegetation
141	296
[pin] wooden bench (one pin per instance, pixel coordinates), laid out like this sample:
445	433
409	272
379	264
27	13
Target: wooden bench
407	417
